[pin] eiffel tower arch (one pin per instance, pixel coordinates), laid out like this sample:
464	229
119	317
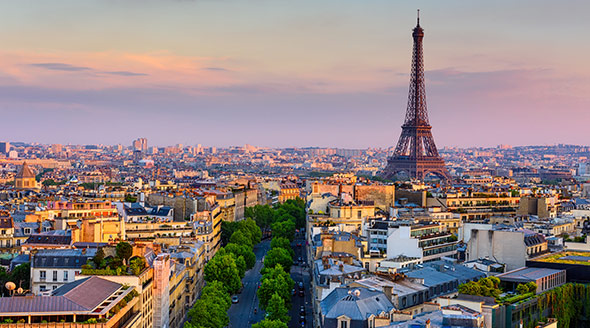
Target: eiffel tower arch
416	153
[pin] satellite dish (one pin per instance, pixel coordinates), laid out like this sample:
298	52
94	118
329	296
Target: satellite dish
20	290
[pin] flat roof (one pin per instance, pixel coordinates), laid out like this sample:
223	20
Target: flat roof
527	274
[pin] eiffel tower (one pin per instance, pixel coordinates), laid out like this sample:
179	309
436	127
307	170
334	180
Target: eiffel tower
416	153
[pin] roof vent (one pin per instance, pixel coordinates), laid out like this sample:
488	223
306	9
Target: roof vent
357	293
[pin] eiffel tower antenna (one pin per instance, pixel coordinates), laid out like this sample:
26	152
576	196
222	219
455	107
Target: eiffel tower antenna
416	154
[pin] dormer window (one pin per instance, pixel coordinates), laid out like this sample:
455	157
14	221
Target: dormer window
27	231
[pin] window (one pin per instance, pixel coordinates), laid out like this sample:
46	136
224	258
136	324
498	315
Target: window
66	275
54	275
42	275
343	324
42	288
27	231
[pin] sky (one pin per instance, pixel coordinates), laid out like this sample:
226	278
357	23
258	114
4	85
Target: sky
284	73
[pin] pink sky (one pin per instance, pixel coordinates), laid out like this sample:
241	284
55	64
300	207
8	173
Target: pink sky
291	73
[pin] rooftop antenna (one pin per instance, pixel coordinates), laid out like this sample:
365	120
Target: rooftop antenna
418	17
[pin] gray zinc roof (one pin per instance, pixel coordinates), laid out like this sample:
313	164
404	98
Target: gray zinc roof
357	306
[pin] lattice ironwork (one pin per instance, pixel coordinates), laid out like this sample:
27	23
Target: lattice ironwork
416	152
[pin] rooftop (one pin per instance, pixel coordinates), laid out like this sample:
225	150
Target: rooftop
527	274
81	296
357	303
567	257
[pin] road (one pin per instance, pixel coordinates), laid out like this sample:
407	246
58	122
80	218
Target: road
300	273
242	313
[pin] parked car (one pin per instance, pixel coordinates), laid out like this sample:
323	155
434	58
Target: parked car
301	284
235	299
301	293
302	310
294	292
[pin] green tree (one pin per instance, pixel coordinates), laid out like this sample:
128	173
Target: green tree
216	291
296	212
522	289
21	275
275	280
49	182
470	288
4	278
276	309
531	286
208	313
281	242
241	265
124	251
262	214
222	267
98	258
227	230
240	238
488	286
270	324
242	250
250	228
278	256
285	229
137	264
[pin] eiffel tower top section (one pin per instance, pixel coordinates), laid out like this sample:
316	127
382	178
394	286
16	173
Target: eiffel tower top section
417	113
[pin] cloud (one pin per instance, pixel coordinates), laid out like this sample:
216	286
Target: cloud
217	69
125	73
72	68
61	67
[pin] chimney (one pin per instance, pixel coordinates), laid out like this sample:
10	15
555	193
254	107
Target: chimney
427	324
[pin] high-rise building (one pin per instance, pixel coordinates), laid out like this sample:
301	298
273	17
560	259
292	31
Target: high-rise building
416	154
4	147
140	144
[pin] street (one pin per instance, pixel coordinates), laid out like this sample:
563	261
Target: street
242	313
300	273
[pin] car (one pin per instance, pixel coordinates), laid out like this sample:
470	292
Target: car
301	293
235	299
299	244
294	292
302	310
300	259
302	319
301	284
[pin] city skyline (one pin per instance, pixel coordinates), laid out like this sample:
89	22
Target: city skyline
90	74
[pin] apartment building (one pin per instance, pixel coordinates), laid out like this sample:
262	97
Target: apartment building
53	268
406	238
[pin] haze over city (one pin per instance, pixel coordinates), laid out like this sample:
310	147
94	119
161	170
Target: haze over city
291	73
